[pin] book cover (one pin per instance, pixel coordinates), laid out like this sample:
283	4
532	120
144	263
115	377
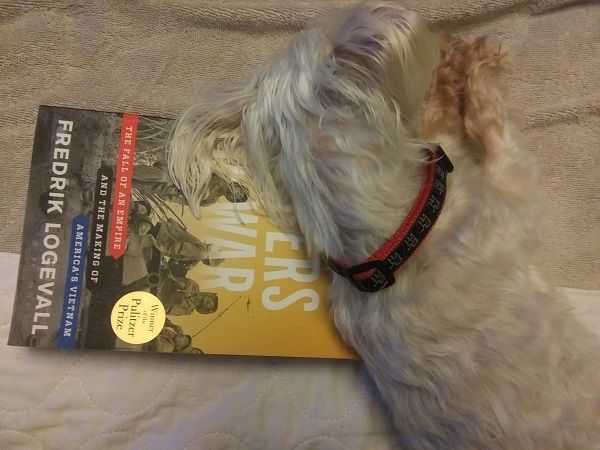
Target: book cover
113	259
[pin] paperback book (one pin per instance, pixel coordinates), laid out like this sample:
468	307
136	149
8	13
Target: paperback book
113	258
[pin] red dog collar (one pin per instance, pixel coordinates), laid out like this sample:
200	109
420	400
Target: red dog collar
377	271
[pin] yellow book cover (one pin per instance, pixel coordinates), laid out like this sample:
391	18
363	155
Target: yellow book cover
113	259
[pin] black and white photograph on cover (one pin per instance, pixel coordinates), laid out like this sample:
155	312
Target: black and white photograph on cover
159	249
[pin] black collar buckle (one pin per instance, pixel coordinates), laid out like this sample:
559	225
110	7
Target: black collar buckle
382	276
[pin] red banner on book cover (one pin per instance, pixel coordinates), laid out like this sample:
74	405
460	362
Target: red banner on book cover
122	192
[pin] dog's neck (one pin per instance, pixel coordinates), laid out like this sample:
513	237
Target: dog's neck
370	204
377	271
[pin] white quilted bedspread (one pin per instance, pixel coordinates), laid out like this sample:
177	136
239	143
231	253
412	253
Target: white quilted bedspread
102	400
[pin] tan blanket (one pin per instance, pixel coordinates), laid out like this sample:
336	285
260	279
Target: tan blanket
153	58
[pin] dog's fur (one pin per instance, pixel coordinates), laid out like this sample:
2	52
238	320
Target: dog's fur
470	348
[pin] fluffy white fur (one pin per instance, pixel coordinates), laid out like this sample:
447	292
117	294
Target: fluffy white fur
470	348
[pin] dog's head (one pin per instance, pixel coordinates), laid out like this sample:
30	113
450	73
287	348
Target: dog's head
320	126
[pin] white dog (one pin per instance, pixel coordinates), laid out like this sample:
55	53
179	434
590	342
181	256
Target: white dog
469	347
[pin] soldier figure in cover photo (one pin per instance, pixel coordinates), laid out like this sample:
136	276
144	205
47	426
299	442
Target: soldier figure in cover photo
177	243
219	187
140	252
177	252
182	296
171	240
155	181
172	339
140	207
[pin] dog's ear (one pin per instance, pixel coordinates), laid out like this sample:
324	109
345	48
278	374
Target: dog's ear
394	48
206	141
485	107
281	151
468	95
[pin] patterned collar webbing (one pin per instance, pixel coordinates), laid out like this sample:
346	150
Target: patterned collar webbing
377	271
